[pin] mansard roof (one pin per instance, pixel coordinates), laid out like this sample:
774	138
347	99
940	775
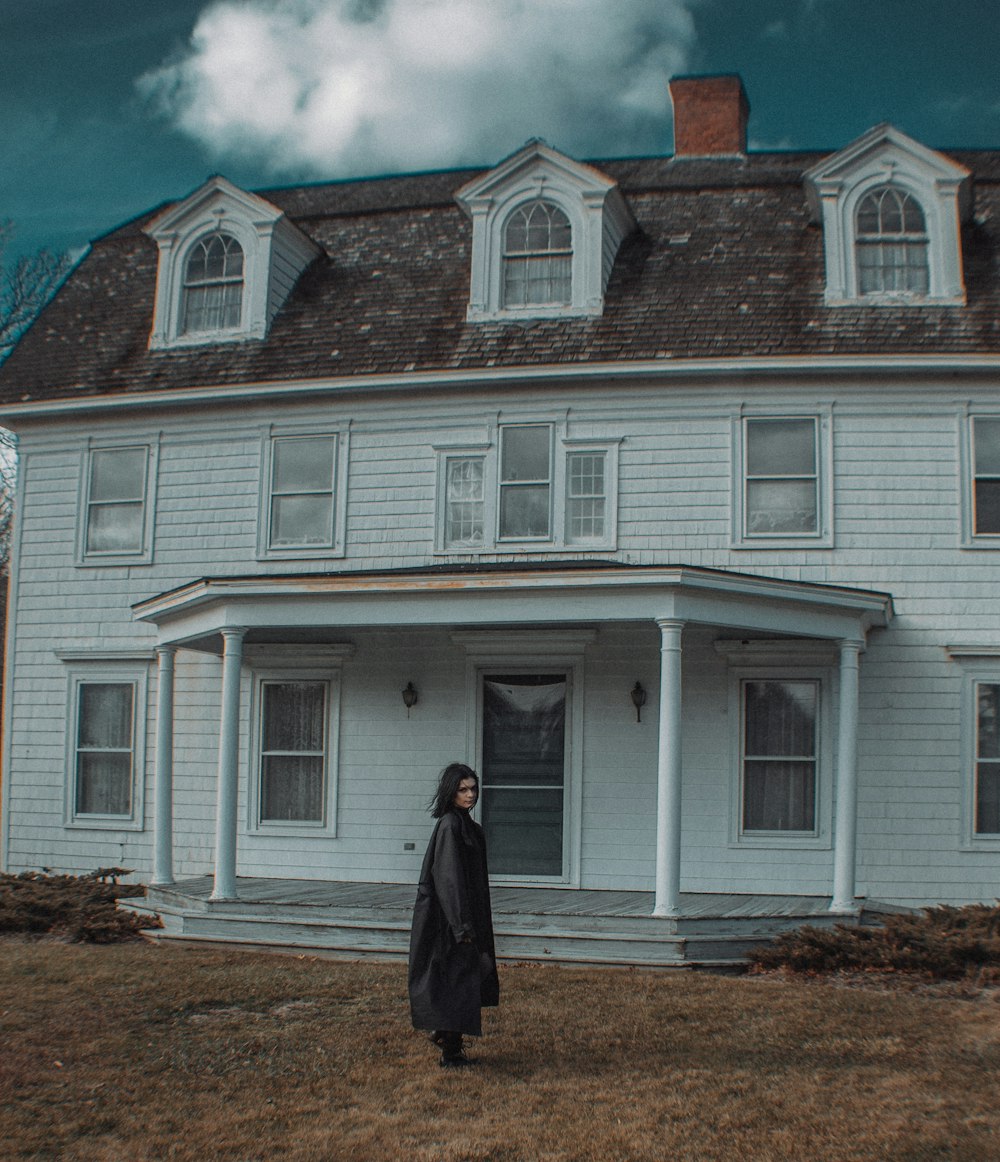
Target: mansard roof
725	262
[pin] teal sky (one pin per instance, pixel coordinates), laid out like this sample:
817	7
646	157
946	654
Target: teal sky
314	89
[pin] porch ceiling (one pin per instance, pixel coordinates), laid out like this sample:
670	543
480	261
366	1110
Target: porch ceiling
195	613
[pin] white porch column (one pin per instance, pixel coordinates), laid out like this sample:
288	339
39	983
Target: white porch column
229	755
163	775
668	773
846	815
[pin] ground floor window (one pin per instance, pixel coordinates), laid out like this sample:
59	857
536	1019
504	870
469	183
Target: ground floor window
105	736
779	755
987	775
293	751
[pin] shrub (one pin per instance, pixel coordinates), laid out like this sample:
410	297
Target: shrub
75	908
941	942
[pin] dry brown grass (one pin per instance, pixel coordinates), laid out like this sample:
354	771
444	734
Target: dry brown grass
133	1053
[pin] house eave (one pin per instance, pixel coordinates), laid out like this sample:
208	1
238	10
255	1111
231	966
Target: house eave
665	369
505	597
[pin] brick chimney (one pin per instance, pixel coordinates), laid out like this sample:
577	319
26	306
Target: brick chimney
710	116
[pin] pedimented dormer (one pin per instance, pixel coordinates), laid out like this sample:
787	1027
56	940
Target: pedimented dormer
545	232
228	260
891	211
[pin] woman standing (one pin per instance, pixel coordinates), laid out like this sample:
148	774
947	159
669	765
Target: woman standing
453	967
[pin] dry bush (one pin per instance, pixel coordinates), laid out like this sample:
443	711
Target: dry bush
76	908
939	943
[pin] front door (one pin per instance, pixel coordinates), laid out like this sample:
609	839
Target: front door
523	773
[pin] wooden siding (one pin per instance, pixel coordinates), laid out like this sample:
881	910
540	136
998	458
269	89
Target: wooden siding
897	527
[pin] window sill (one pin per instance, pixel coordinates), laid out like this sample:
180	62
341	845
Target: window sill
501	548
114	559
782	840
793	541
291	831
301	554
104	823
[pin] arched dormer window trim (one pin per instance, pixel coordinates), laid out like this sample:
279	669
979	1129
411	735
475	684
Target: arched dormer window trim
598	218
890	243
883	159
275	252
537	262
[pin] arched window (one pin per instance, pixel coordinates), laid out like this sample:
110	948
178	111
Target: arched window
213	285
537	257
891	243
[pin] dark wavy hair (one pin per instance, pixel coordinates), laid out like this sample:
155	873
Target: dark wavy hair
447	789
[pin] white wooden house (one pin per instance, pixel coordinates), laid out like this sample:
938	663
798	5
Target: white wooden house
664	491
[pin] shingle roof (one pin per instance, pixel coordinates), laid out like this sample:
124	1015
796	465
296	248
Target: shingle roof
725	263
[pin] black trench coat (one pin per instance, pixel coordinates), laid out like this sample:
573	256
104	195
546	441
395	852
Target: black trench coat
453	966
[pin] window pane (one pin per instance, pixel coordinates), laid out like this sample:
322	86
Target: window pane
304	465
779	796
292	788
988	506
118	474
105	714
524	718
213	307
302	520
103	784
781	447
781	506
524	511
537	280
987	440
294	716
524	829
525	453
585	496
114	528
780	719
465	502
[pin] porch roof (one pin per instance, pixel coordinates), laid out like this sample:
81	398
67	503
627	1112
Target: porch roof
564	593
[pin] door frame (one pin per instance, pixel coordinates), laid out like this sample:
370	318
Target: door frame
529	652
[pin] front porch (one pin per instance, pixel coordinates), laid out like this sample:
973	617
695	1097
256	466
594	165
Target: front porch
556	925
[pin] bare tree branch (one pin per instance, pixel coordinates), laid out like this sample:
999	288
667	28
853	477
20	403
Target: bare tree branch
26	285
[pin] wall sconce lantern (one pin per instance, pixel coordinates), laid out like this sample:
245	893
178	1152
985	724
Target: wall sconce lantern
409	697
638	696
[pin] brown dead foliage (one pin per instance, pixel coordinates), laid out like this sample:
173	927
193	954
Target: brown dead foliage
136	1053
938	943
76	908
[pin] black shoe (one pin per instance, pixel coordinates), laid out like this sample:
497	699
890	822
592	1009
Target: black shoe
455	1061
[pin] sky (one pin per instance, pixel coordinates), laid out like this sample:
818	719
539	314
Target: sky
113	107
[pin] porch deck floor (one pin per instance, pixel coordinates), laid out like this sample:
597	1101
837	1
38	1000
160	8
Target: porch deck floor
509	900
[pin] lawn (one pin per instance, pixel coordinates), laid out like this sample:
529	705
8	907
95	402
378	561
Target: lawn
138	1052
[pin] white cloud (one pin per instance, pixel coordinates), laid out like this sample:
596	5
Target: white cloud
337	87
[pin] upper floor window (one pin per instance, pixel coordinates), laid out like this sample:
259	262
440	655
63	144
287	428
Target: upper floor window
538	256
116	517
533	488
213	285
781	478
986	476
891	243
303	503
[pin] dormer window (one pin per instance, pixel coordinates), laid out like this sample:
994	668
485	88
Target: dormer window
891	211
538	256
891	243
545	233
213	285
228	260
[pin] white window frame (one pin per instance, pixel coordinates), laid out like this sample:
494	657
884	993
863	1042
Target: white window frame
104	673
562	446
971	539
981	666
823	536
143	555
188	287
296	664
781	667
337	545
